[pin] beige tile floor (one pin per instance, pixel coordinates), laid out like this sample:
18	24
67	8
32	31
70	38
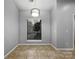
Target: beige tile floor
39	52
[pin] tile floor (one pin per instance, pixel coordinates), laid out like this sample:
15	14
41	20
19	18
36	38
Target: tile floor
39	52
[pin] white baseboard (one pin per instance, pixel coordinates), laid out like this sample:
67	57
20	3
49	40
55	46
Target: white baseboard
25	44
10	51
35	44
64	49
67	49
39	44
53	46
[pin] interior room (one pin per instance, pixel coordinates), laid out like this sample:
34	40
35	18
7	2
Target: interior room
39	29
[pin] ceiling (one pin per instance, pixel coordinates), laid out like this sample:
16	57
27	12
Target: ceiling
41	4
65	1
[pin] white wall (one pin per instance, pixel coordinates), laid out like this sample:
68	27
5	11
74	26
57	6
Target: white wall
63	26
45	17
53	27
10	25
57	26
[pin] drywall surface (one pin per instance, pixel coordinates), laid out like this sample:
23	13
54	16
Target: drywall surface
53	27
10	25
63	26
45	17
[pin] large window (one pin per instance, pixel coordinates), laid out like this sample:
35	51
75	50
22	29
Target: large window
33	29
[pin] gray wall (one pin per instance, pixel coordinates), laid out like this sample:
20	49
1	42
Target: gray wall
45	17
57	26
63	26
10	25
53	27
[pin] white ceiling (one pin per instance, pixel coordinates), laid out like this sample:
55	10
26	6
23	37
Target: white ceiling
65	1
41	4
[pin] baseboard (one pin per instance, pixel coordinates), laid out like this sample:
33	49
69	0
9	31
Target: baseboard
67	49
10	51
53	46
25	44
35	44
60	49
